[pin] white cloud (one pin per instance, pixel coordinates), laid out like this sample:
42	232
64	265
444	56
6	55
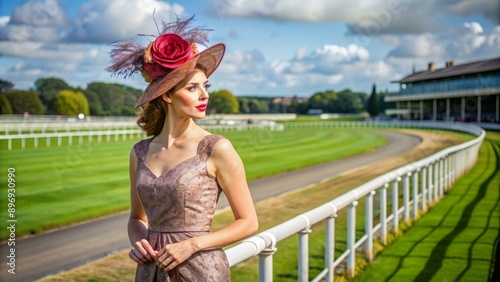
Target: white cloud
470	40
108	21
295	10
324	60
367	17
98	21
363	17
49	44
4	20
241	62
327	67
418	46
490	9
467	42
40	13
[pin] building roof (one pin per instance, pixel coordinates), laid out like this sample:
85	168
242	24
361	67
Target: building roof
454	70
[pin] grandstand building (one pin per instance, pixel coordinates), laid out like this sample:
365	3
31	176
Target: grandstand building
467	92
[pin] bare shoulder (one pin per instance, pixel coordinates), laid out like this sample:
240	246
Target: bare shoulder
223	148
133	154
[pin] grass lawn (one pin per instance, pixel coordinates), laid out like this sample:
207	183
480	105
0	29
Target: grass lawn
457	239
57	186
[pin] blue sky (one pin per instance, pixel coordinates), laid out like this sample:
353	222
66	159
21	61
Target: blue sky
274	47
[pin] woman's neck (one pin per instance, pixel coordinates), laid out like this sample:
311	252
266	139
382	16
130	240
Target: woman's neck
176	130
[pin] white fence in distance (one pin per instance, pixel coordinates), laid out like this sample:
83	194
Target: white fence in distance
102	131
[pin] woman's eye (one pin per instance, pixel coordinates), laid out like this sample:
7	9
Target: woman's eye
192	88
207	86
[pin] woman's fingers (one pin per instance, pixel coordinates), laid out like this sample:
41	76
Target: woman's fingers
165	260
150	252
142	252
138	259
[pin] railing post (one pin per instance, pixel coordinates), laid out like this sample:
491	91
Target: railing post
415	194
431	185
369	226
383	213
436	180
395	200
446	174
304	253
423	176
441	178
330	245
455	167
451	164
406	197
266	262
351	238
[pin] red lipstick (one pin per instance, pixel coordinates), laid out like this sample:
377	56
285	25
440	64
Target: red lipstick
202	107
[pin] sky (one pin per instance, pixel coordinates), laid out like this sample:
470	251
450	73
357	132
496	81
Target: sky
274	47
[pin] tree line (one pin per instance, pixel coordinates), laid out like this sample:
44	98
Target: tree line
53	96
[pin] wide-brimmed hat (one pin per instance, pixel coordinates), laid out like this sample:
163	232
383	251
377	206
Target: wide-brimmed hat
168	60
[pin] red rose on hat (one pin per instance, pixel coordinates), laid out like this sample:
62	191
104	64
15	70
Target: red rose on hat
168	51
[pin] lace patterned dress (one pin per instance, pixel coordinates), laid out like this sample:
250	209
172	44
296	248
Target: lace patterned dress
180	204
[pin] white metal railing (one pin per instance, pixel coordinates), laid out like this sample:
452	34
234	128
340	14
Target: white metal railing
101	135
423	183
12	128
102	131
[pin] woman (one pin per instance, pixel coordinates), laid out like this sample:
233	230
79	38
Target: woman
177	175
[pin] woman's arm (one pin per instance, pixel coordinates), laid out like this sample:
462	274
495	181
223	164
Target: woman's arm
226	165
141	251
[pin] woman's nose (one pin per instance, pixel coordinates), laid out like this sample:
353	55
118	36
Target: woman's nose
204	94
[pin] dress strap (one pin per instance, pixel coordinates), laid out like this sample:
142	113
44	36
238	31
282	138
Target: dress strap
141	149
207	145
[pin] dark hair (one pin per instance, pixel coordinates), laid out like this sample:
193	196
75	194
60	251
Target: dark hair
152	118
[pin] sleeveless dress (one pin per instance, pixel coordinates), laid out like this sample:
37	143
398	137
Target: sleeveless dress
180	204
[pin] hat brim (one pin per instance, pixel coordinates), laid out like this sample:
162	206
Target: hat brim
209	58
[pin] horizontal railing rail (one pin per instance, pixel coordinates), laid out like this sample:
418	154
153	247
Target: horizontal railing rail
422	184
108	133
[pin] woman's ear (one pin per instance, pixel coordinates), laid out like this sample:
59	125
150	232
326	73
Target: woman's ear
166	97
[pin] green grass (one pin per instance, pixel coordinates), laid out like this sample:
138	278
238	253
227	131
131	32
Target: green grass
457	239
57	186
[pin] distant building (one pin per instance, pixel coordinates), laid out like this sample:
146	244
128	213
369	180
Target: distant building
466	92
287	101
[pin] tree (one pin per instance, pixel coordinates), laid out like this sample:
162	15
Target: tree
243	106
23	101
95	107
383	105
348	102
6	85
5	108
324	101
71	103
112	98
257	106
373	104
223	102
47	89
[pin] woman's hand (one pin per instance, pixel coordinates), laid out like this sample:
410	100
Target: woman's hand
142	252
174	254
